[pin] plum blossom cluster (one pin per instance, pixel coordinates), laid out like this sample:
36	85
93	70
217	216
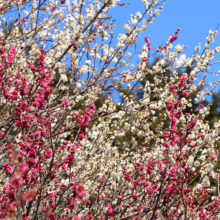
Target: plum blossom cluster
61	156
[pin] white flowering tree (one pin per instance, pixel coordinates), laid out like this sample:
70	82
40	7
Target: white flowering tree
60	155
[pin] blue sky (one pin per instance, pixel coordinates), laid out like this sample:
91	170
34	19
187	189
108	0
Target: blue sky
194	17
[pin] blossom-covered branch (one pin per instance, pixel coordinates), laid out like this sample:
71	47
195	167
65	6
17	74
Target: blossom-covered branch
60	154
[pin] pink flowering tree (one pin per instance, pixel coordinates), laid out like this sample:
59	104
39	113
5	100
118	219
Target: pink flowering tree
60	155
